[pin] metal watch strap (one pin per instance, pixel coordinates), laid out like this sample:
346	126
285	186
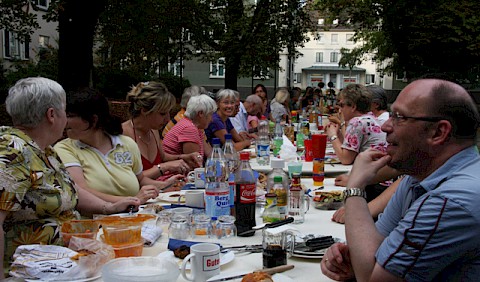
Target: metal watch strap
331	139
354	192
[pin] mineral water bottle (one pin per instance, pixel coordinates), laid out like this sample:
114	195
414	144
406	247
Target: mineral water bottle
278	139
282	196
231	158
217	192
277	166
245	200
263	142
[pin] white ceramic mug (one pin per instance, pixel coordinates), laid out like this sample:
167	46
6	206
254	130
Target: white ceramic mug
196	177
204	260
194	198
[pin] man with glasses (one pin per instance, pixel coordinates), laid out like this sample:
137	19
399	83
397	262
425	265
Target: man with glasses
430	228
251	106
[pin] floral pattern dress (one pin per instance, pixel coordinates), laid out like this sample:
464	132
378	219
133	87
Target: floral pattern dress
35	190
364	132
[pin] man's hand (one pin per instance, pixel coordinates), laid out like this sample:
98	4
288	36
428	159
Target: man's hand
336	263
366	166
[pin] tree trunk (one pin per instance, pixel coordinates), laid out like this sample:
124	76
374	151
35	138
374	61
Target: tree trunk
232	65
77	22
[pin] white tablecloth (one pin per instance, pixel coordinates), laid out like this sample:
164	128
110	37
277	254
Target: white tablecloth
316	222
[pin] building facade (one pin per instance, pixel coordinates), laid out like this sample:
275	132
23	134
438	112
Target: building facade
14	49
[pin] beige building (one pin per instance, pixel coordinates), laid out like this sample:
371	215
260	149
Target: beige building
12	49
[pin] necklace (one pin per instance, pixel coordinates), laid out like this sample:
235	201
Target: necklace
147	139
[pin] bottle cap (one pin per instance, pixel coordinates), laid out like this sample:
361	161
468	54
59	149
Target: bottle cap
244	156
228	136
215	141
277	179
277	163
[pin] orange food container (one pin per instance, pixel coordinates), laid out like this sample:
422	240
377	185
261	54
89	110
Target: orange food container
78	228
133	250
122	231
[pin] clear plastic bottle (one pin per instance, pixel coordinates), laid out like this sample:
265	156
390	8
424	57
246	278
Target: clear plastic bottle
231	158
278	138
245	200
217	192
263	142
271	213
277	170
296	200
282	196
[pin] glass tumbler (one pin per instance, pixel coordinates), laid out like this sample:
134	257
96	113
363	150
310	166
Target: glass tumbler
202	226
225	227
179	227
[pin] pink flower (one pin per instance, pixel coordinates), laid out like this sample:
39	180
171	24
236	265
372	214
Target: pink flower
352	141
376	129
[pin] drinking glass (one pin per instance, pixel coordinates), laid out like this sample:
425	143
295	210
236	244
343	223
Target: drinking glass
225	227
179	227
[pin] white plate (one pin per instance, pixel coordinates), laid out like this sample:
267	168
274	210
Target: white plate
79	280
278	277
224	258
170	197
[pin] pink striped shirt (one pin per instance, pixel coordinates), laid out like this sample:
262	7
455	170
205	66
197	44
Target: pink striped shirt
183	131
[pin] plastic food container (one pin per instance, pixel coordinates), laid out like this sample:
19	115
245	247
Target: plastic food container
124	230
134	250
78	228
141	269
328	200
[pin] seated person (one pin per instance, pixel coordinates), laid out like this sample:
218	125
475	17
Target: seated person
187	135
150	105
221	123
37	192
99	158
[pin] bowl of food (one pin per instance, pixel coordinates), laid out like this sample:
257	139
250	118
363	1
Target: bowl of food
328	200
142	269
78	228
122	231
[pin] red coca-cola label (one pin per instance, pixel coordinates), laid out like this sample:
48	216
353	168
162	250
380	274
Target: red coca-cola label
247	193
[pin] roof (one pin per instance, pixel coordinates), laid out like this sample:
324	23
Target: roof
333	68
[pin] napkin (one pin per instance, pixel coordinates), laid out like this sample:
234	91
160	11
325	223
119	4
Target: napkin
151	232
288	151
175	244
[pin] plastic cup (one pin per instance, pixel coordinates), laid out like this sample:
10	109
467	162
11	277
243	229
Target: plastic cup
319	145
308	150
294	167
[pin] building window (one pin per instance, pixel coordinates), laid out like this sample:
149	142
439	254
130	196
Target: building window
334	38
298	77
319	57
13	48
349	80
370	79
43	41
42	4
349	38
320	38
260	73
334	57
217	69
174	68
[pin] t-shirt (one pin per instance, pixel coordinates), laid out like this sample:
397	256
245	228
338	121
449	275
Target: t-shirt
35	189
277	110
216	125
364	132
183	131
172	122
251	118
431	227
114	173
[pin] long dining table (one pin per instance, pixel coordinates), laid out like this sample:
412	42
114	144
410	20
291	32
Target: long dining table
317	222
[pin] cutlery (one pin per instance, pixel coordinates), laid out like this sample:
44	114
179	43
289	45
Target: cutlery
267	225
231	276
244	248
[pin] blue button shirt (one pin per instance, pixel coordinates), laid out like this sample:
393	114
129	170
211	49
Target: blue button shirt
437	236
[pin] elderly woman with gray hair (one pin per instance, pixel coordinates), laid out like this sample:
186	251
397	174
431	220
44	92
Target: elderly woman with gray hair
37	192
379	106
187	136
279	106
221	124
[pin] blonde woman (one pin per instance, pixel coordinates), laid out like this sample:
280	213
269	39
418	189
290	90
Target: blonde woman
279	106
150	105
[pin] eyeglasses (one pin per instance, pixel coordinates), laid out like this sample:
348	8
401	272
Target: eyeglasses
396	118
341	104
228	102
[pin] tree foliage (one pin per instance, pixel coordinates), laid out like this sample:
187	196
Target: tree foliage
415	36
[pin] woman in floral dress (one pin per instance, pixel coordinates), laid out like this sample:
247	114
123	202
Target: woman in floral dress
36	192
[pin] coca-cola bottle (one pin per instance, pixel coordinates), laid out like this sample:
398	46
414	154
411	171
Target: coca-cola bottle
245	200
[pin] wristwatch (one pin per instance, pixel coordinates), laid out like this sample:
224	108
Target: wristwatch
331	139
354	192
